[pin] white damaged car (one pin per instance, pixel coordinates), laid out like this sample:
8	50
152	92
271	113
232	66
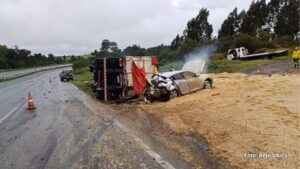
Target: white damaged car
168	85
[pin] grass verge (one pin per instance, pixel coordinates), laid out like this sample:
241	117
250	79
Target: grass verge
82	79
230	66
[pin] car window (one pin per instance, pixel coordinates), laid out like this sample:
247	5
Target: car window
177	76
188	75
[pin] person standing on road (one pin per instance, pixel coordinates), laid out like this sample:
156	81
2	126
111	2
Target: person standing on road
296	56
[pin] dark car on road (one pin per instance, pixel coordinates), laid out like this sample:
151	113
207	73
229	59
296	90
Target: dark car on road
66	75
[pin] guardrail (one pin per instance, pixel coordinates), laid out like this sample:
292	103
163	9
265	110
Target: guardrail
18	73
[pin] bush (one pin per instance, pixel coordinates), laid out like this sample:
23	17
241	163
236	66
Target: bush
225	44
245	40
286	41
262	50
217	56
80	63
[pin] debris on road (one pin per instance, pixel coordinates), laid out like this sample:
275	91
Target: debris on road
216	94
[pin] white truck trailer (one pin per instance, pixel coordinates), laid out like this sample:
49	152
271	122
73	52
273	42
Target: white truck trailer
243	54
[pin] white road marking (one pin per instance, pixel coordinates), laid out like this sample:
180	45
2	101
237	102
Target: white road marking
148	150
10	86
11	112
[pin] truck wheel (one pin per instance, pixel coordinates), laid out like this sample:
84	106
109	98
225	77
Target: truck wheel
207	84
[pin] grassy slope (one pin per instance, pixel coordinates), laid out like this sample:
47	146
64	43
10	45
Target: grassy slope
217	66
82	77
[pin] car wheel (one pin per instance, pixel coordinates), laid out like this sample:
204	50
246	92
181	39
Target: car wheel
173	94
207	84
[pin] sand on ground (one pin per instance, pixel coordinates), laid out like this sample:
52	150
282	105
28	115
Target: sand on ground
252	115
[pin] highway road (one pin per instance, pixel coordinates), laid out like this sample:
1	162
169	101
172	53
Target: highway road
18	73
67	130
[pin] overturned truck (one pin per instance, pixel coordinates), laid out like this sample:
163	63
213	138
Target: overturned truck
122	78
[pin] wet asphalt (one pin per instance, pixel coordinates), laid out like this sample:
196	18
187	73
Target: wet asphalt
18	73
63	132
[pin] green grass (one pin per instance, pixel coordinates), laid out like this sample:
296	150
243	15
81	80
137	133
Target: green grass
282	58
218	66
82	79
231	66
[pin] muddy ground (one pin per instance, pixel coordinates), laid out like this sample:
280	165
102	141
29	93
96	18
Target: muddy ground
254	116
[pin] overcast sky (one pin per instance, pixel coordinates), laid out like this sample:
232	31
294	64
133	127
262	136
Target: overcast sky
65	27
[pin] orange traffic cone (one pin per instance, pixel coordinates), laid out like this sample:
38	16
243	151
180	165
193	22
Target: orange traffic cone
30	102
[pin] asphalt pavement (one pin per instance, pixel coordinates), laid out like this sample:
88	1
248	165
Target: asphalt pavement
18	73
63	131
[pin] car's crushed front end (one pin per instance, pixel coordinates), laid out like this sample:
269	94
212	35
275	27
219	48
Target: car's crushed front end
159	88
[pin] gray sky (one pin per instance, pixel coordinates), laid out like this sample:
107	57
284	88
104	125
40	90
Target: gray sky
79	26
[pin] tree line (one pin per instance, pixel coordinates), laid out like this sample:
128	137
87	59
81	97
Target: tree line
11	58
263	25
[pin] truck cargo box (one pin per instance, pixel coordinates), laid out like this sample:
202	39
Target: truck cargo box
113	76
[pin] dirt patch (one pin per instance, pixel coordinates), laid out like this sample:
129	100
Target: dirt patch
253	114
278	67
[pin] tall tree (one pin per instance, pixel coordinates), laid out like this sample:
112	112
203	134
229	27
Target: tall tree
3	61
109	49
255	18
177	41
273	9
230	26
134	50
198	28
287	21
